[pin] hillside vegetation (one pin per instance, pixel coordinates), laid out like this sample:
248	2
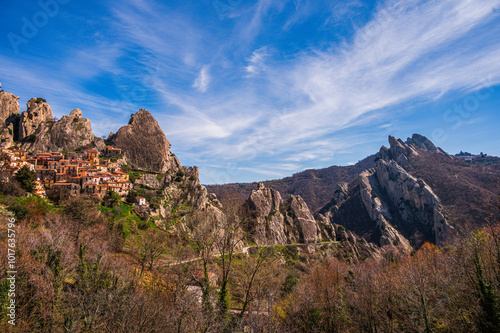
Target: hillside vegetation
85	267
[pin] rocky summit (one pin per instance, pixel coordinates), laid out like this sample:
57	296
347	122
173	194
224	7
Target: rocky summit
38	113
145	145
9	110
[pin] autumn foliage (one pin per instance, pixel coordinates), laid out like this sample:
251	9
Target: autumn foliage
73	278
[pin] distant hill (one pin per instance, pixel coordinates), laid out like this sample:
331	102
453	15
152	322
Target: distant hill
417	183
315	186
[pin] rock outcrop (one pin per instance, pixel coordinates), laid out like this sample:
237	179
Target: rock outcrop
9	113
414	199
186	205
400	208
303	220
398	151
422	142
144	144
9	106
271	220
404	152
361	209
266	223
38	113
379	213
69	133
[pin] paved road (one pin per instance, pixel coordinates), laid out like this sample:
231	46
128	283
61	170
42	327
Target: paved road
243	251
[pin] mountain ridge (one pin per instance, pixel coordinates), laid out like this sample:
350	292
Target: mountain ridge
398	198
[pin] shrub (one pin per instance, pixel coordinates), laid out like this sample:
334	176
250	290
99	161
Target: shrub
112	199
12	188
31	138
131	196
25	177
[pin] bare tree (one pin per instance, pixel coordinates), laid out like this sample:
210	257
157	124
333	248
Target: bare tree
229	240
151	245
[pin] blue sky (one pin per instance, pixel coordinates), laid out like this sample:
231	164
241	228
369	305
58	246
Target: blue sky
256	90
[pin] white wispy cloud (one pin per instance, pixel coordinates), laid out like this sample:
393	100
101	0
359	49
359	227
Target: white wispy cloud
297	107
203	80
389	63
256	63
414	49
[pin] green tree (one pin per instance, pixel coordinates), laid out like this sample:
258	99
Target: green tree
112	199
131	196
25	177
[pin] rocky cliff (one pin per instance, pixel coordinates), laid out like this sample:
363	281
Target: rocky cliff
145	145
9	111
414	199
387	205
38	113
272	220
69	133
186	203
35	130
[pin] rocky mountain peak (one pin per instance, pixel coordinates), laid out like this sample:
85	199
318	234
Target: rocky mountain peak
402	152
144	144
422	142
9	106
76	113
9	111
38	112
70	132
414	199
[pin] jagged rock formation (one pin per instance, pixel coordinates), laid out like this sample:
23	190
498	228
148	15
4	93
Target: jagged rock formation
267	223
405	152
68	133
36	131
303	220
145	145
9	106
379	213
414	199
391	207
185	199
398	151
9	111
361	210
38	113
408	193
271	220
422	142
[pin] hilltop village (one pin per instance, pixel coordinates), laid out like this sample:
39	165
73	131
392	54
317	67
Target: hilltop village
71	174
